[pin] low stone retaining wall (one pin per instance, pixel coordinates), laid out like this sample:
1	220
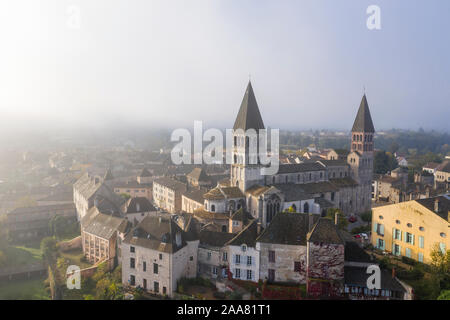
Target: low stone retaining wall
75	243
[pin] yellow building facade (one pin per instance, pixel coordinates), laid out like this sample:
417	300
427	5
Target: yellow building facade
412	228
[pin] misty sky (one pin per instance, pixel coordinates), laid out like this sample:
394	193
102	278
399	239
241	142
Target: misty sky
168	63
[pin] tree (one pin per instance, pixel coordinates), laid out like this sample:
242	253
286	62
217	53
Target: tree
57	226
49	249
445	295
367	216
440	261
384	162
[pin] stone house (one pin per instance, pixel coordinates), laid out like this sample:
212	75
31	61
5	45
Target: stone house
167	194
156	254
85	190
283	249
136	209
192	200
101	236
325	259
243	256
213	254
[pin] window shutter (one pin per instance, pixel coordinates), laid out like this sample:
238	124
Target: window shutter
382	229
421	242
404	236
393	248
382	245
375	227
394	234
412	238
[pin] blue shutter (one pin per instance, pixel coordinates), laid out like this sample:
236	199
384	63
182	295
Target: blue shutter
382	229
421	244
442	247
412	239
420	257
383	245
394	235
404	236
375	227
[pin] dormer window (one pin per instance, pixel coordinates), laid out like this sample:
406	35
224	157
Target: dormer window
244	248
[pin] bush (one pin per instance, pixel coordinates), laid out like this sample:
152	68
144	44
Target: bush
409	261
219	295
235	296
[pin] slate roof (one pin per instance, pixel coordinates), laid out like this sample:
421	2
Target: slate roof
357	276
171	183
103	225
293	192
144	205
156	233
429	204
195	194
344	182
288	228
324	203
431	165
300	167
145	173
257	190
249	116
334	163
354	253
199	174
220	192
215	238
241	215
203	214
325	231
444	167
363	121
246	236
39	209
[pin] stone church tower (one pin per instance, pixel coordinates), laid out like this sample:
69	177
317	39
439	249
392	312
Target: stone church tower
246	167
360	158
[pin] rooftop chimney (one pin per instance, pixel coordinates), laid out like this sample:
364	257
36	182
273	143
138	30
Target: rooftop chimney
437	205
258	227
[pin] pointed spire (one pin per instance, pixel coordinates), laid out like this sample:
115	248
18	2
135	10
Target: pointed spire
108	175
363	121
249	116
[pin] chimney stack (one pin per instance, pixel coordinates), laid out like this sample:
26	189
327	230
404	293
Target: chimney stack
258	227
437	205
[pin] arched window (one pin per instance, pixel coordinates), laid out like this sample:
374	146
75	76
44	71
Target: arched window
224	228
235	141
306	207
213	208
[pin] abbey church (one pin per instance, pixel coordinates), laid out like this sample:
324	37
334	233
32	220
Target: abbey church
307	187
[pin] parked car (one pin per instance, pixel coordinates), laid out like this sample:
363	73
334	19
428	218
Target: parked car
352	219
